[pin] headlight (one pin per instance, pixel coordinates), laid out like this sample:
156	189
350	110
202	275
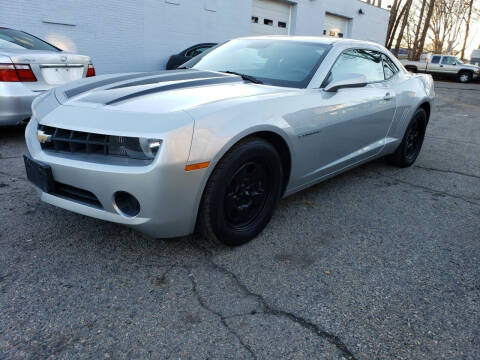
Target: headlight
135	148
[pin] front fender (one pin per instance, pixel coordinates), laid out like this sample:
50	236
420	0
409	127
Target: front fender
214	135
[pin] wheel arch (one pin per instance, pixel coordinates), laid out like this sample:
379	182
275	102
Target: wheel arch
283	150
427	107
470	71
273	135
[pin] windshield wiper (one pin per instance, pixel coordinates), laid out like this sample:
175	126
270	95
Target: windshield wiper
250	78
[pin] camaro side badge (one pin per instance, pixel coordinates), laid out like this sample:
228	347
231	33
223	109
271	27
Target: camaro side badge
42	137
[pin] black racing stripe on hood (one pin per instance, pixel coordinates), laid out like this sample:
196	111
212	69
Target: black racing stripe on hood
182	85
78	90
186	75
87	87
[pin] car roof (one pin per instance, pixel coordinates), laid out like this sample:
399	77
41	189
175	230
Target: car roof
315	39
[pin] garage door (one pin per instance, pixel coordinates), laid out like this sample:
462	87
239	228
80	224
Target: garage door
270	17
335	26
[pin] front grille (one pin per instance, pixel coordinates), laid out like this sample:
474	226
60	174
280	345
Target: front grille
76	194
79	142
75	141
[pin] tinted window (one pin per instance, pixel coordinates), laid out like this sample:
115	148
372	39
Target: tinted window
196	51
274	62
389	68
365	62
435	60
449	60
14	39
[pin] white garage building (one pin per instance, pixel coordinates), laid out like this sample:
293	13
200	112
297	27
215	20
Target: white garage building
140	35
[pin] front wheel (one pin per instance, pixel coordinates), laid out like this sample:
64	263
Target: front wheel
408	150
465	77
242	193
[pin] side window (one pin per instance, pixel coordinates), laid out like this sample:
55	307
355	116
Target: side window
389	68
435	60
196	51
359	61
449	60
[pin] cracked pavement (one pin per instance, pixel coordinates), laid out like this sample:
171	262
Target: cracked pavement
376	263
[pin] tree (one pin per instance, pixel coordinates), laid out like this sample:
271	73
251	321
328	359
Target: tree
426	26
467	28
391	22
395	22
417	31
446	23
407	7
435	25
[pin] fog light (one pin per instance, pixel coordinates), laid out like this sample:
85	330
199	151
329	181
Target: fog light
126	203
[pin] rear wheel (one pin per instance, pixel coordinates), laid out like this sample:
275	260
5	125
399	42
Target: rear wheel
408	150
242	193
465	77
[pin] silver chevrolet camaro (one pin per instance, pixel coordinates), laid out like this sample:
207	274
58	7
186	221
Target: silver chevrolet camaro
215	145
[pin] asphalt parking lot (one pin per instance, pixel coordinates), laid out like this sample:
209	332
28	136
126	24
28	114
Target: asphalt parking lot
378	263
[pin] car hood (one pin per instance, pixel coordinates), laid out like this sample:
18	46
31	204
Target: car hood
469	66
160	92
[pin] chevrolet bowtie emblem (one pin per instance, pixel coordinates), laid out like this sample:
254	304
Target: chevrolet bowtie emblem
42	137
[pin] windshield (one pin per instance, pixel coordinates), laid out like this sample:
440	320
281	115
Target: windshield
14	39
272	62
459	62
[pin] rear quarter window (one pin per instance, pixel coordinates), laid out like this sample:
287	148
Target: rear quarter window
15	39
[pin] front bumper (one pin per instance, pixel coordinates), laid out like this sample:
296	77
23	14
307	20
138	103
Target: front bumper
15	103
168	195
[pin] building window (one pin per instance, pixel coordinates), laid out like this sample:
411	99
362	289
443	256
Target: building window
282	24
268	22
324	32
254	19
340	35
331	33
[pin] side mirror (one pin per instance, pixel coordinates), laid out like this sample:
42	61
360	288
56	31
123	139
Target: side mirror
347	81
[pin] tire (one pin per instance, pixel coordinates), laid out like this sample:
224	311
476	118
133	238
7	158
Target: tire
242	193
464	77
408	150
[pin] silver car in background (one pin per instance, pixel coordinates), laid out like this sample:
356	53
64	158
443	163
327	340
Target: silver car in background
30	66
215	146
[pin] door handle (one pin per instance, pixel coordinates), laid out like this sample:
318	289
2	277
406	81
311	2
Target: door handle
388	97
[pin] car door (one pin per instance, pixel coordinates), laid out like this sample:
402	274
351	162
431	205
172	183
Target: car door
434	65
448	65
350	125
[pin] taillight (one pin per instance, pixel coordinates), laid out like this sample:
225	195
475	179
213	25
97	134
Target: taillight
8	73
91	70
16	73
25	73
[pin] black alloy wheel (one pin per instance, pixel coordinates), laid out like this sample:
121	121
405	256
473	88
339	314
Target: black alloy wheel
409	149
242	193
